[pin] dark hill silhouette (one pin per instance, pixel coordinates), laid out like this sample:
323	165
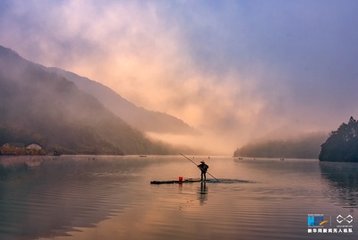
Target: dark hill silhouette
342	145
137	117
40	106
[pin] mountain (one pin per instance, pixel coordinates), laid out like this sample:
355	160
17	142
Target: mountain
307	146
342	144
138	117
40	106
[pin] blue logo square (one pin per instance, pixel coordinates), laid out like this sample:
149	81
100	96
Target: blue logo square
310	221
314	220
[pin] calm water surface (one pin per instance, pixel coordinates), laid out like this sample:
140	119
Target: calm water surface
87	197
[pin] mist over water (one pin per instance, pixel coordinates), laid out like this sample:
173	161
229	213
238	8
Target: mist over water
234	70
264	78
94	197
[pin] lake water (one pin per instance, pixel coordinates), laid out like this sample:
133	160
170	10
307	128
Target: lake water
92	197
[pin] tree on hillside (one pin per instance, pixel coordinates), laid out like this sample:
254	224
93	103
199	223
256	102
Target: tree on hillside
342	144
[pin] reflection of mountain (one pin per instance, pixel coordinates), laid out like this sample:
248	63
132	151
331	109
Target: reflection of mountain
50	199
138	117
343	182
39	106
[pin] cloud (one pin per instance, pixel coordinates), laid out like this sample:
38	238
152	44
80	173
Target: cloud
236	70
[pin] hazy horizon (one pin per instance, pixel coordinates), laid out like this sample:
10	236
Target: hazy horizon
235	70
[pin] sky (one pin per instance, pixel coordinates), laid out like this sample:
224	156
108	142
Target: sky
235	70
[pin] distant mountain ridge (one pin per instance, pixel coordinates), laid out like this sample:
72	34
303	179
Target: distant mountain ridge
40	106
307	146
138	117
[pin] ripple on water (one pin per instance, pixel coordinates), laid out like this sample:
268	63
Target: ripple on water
111	195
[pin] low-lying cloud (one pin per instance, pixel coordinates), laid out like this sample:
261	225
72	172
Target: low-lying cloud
236	70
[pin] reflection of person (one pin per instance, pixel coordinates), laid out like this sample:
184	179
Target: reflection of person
203	193
203	168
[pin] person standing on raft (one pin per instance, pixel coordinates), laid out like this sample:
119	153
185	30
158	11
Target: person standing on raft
203	168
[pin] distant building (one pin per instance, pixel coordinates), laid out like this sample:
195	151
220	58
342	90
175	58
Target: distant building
19	149
34	149
11	145
12	149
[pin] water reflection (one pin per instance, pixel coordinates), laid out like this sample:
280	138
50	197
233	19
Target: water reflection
342	181
203	193
51	198
73	197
